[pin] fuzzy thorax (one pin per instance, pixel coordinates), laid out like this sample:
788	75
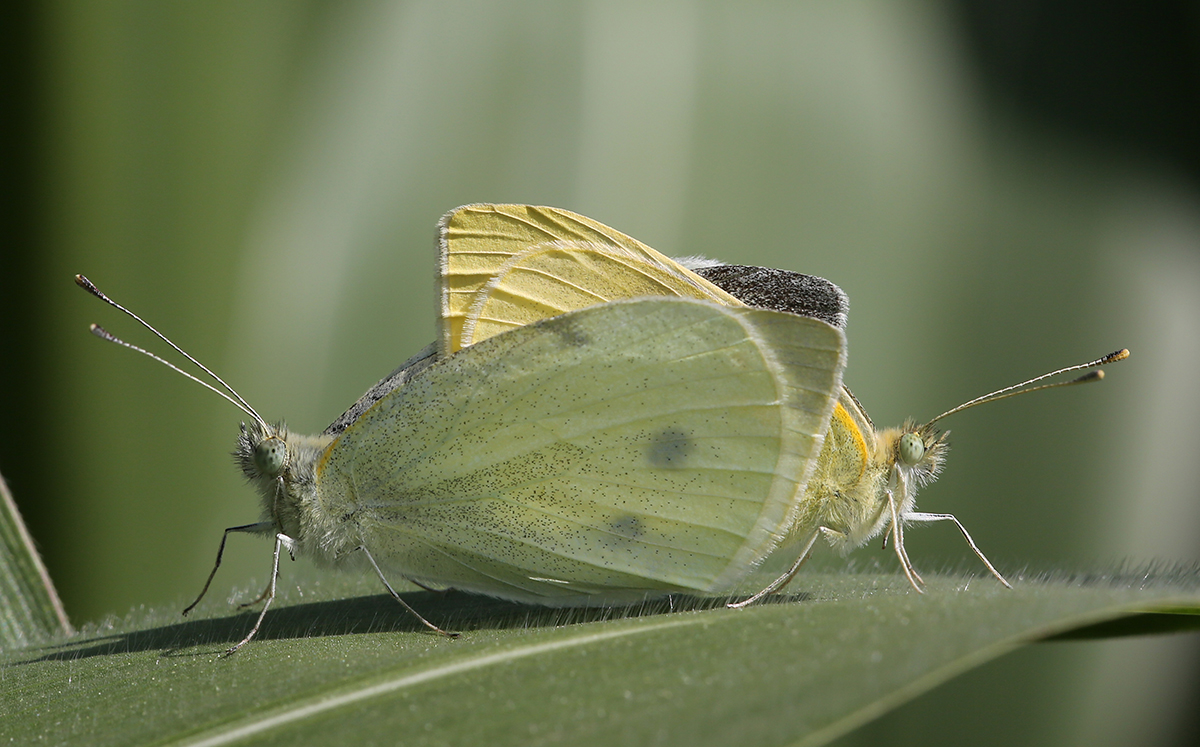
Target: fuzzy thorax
847	495
282	466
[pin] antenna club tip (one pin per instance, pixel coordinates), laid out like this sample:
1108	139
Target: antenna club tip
89	286
1120	355
1088	377
101	332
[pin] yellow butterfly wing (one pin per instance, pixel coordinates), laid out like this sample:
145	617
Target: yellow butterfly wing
504	266
633	447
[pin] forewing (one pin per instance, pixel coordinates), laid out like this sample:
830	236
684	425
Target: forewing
505	266
647	445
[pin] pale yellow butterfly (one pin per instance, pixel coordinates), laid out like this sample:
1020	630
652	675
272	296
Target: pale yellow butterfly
506	265
606	455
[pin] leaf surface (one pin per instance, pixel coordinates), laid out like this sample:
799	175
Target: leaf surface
800	670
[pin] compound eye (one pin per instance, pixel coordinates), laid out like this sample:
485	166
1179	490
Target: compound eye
270	456
912	449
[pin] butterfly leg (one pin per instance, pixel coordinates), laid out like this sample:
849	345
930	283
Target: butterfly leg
257	599
950	517
897	485
396	596
783	580
289	545
268	595
259	528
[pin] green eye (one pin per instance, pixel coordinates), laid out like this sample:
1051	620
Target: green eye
270	456
912	449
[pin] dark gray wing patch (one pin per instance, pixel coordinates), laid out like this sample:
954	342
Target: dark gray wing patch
781	290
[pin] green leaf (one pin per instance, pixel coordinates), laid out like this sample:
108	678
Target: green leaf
29	607
328	669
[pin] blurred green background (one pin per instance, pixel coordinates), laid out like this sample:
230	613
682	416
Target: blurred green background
1001	188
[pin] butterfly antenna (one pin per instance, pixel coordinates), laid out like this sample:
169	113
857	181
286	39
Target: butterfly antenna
104	334
1025	388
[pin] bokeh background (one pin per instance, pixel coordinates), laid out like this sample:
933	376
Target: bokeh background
1001	187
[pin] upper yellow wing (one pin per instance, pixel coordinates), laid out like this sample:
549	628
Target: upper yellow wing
504	266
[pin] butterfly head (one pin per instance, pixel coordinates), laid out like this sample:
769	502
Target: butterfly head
920	451
262	451
916	454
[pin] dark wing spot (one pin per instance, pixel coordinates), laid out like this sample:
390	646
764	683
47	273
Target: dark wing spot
670	449
626	526
569	333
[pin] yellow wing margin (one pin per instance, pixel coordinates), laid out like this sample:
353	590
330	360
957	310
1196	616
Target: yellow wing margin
505	266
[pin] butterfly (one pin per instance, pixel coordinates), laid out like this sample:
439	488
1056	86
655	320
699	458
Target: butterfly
596	424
